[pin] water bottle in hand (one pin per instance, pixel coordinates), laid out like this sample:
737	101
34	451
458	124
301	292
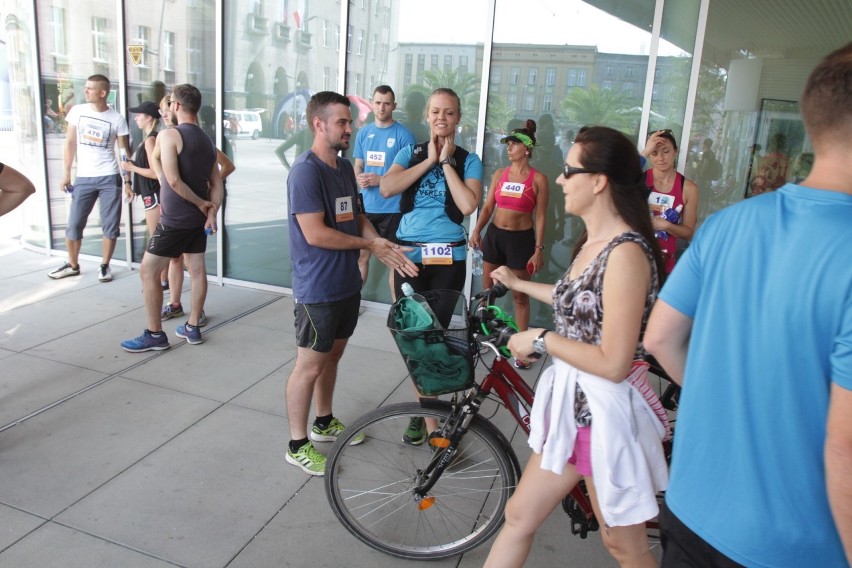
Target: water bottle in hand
672	216
476	260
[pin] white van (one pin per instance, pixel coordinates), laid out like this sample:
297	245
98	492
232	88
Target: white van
243	123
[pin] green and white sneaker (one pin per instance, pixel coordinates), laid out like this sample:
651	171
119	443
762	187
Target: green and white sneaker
308	459
330	434
415	434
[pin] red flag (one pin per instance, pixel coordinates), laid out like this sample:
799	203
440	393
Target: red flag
297	18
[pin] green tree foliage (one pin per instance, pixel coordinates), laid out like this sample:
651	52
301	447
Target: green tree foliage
709	99
498	114
599	106
466	85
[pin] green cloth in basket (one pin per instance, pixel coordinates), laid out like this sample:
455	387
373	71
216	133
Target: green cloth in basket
435	368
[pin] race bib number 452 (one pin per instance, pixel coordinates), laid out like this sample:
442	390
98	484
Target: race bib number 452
376	159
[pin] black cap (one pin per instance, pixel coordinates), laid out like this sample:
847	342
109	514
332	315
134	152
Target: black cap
147	107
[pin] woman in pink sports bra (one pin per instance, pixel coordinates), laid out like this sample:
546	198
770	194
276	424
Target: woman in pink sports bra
517	198
669	189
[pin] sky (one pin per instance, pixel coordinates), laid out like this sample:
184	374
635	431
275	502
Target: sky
549	22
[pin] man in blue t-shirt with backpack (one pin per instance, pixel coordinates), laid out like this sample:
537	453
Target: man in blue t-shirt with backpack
327	231
755	322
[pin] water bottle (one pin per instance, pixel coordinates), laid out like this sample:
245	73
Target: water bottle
413	297
672	216
476	260
124	173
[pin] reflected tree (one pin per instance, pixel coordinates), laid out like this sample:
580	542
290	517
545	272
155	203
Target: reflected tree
599	106
498	114
465	84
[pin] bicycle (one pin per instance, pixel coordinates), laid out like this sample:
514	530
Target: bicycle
447	496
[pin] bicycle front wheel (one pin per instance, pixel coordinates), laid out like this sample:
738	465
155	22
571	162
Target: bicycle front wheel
372	487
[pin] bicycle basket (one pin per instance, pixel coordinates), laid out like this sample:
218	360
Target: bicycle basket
434	341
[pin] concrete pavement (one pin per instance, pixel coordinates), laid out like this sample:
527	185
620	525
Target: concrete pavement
176	458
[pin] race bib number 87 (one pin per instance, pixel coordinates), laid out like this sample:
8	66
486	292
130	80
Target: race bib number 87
343	209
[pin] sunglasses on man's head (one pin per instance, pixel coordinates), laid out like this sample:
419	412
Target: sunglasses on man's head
568	171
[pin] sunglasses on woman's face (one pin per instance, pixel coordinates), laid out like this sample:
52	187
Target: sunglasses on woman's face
568	171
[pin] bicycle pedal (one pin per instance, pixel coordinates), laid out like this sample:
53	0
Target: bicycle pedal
439	442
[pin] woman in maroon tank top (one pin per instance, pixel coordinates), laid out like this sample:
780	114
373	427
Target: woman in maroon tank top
669	190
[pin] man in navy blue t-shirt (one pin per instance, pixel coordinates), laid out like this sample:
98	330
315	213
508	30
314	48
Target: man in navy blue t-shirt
327	233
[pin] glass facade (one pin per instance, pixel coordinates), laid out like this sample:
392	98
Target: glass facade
635	66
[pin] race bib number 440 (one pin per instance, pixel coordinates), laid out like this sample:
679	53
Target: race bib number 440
437	253
512	189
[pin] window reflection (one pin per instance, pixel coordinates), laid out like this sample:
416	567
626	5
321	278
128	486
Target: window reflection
425	49
270	86
167	58
72	49
597	77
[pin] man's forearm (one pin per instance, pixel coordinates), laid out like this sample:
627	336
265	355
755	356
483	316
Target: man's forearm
185	193
838	463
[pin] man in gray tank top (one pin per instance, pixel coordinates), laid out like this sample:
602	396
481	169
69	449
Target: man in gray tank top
190	195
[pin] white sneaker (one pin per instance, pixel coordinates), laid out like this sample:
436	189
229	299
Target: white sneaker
104	273
63	271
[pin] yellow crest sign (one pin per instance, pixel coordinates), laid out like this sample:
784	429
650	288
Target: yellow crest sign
136	52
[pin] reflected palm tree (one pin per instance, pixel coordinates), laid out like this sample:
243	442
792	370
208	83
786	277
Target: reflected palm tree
601	107
466	86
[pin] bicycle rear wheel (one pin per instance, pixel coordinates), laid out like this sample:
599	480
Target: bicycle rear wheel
371	486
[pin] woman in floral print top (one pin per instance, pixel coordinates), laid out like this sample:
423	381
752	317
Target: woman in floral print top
600	309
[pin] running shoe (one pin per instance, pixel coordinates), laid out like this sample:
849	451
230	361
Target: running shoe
146	342
171	311
330	434
415	434
104	273
64	271
189	332
307	459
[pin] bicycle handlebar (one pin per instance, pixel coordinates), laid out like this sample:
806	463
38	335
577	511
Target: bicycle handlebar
497	291
494	328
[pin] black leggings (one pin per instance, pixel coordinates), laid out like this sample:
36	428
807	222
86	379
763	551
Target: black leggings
434	277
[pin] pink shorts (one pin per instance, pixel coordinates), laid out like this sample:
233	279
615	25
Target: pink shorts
582	456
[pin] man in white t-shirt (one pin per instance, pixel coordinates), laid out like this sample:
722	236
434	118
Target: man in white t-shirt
93	130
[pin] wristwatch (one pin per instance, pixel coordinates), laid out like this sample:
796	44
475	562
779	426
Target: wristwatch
449	160
538	343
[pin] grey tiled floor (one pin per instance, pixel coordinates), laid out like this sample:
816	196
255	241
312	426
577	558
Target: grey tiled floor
176	458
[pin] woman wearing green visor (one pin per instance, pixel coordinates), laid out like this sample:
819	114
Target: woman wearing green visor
515	238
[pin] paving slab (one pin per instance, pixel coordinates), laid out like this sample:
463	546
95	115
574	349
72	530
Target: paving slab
15	525
56	546
198	500
54	459
231	359
28	383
